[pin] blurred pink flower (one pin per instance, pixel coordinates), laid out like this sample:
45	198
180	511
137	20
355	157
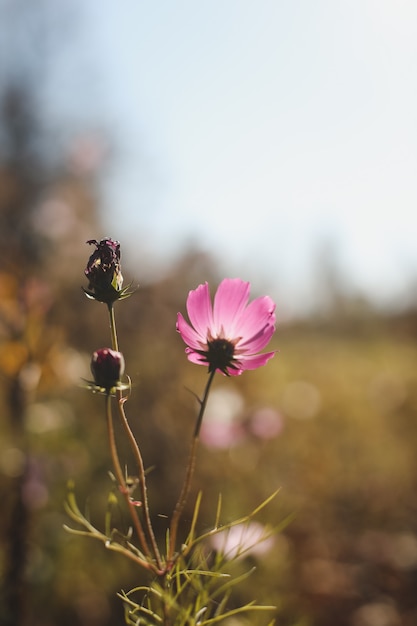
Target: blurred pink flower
266	423
222	426
228	335
218	434
243	539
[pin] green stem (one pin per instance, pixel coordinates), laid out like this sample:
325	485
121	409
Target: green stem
135	448
189	474
203	404
121	480
115	343
142	481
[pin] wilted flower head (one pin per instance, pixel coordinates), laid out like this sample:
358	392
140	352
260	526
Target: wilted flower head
228	335
103	271
107	366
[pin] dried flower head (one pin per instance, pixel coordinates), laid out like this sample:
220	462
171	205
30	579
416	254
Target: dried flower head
104	272
228	335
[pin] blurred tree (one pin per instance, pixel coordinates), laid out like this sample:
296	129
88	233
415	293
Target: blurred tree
41	201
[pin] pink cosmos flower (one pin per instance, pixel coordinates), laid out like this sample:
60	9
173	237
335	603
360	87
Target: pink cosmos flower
228	335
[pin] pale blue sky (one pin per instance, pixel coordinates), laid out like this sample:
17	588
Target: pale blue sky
259	129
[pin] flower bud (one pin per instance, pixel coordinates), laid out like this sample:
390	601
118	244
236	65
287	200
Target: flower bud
107	366
104	272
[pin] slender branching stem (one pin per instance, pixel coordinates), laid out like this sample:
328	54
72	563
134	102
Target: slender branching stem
142	481
189	474
135	448
121	479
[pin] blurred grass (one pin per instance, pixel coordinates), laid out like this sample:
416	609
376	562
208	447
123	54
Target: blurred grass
345	398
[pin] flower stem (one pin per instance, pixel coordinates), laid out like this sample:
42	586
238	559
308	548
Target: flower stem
179	507
115	343
142	481
203	404
135	449
121	480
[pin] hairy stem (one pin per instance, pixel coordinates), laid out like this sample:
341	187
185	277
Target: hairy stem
135	449
121	480
142	481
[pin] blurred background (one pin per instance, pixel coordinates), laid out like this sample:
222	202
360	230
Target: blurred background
273	141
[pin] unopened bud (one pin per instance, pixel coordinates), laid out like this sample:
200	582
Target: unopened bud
107	366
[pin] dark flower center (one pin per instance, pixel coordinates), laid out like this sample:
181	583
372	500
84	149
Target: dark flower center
219	355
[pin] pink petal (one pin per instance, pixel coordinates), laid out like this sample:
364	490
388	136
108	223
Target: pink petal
188	334
257	342
233	372
229	303
255	361
199	309
256	316
194	357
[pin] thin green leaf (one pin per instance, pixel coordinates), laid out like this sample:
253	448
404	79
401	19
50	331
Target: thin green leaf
251	606
218	511
232	582
194	519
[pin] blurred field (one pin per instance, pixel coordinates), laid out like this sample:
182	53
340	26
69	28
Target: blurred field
345	459
331	420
